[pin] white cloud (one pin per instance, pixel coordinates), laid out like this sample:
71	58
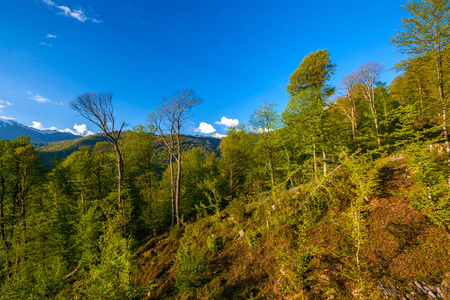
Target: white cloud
40	99
228	122
74	13
29	93
263	129
51	36
82	129
205	128
45	44
37	125
218	135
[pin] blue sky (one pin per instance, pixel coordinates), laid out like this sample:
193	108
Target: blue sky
232	53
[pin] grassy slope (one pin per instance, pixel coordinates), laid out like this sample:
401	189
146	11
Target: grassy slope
278	258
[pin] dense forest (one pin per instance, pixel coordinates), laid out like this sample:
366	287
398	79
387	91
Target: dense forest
342	194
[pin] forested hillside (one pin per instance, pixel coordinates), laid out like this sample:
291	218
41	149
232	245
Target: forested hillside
55	151
331	197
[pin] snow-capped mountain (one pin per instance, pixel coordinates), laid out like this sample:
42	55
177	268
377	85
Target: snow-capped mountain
10	130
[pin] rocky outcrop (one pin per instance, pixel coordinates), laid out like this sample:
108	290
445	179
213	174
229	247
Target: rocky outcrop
418	290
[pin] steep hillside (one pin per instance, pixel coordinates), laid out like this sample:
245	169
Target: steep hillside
334	239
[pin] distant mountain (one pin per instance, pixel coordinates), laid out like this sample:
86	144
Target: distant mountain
10	130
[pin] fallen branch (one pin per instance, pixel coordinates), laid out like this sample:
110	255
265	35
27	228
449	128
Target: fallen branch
70	274
318	186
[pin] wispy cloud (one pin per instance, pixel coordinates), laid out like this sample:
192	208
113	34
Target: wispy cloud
78	129
205	128
51	36
40	99
46	44
4	104
74	13
228	122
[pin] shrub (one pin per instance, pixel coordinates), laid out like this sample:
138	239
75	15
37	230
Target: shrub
214	243
192	264
252	238
176	233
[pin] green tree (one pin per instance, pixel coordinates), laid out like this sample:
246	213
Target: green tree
141	179
427	32
314	72
264	120
237	161
309	90
304	115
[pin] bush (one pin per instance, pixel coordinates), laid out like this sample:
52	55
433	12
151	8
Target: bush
214	243
237	209
176	233
252	238
192	264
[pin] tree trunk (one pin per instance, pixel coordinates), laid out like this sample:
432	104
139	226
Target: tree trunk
440	78
288	162
324	163
421	98
269	154
315	161
231	181
2	208
178	183
177	195
375	119
21	257
172	189
272	177
119	174
99	184
120	181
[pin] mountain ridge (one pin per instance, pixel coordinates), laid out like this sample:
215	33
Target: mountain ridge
11	129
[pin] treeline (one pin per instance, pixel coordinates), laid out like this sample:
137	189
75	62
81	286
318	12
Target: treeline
71	231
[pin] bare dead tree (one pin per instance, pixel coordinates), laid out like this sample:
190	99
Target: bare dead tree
168	121
368	75
98	109
349	102
163	124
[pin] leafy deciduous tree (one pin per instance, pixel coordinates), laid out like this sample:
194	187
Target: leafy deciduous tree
427	31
